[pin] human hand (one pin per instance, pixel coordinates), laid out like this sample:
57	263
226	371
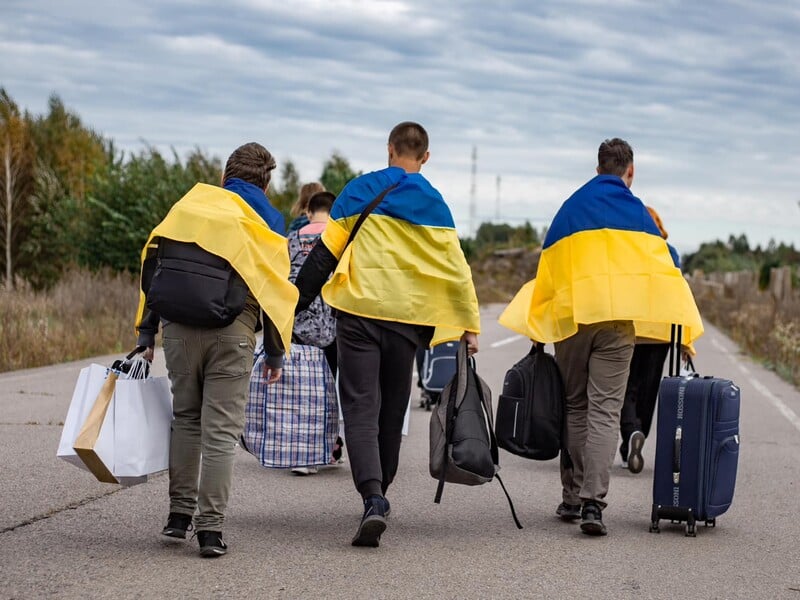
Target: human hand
148	354
472	342
272	374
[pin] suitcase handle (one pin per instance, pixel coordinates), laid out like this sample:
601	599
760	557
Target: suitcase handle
676	456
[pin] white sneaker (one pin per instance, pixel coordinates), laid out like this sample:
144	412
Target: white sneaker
305	470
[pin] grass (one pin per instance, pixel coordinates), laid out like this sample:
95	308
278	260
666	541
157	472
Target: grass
85	314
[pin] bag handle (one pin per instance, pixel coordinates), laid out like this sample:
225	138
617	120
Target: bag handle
365	213
675	333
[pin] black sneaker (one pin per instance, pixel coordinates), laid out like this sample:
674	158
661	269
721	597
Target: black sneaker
211	544
177	525
592	519
569	512
387	510
635	459
373	523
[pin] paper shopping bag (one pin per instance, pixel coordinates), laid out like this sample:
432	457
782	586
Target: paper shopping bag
142	421
98	420
90	382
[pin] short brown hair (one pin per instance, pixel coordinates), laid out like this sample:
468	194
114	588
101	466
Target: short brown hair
301	204
613	157
409	139
251	163
321	201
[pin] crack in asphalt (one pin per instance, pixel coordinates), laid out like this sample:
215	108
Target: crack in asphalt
55	511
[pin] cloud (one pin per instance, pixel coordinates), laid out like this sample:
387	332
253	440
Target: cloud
707	93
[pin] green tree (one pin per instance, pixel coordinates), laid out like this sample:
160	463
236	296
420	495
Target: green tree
132	196
17	172
283	193
336	173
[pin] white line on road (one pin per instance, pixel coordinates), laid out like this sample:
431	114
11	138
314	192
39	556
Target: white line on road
787	412
505	341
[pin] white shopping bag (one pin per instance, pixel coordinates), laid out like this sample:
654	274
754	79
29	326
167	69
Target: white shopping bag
142	420
118	428
90	382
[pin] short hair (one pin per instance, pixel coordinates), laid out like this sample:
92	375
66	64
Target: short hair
613	157
409	139
306	191
321	201
251	163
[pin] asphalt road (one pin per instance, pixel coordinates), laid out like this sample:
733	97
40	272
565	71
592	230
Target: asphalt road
64	535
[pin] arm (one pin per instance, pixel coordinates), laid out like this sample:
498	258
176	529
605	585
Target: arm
274	351
472	342
318	266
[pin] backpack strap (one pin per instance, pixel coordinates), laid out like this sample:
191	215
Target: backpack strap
365	213
448	429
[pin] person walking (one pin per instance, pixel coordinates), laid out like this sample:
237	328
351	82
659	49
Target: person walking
641	391
299	210
212	264
401	282
604	273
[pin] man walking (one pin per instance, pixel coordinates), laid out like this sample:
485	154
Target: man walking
212	264
399	281
604	273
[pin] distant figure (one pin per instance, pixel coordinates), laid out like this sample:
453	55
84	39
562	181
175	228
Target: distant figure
300	207
402	282
315	326
603	273
641	393
208	269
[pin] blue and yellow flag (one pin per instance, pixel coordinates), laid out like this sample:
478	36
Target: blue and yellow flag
405	264
604	259
222	223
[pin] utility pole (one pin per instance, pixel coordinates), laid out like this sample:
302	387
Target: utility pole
472	191
497	201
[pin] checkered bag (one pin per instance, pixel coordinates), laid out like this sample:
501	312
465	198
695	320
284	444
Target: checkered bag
294	422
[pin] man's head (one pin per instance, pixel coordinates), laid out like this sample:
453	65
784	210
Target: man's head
251	163
408	146
320	204
615	157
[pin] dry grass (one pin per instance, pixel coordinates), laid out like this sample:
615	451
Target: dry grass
85	314
765	326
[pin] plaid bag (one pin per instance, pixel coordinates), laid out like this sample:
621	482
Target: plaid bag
294	422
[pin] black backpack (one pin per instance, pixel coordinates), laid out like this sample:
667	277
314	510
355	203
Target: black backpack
530	411
463	448
193	287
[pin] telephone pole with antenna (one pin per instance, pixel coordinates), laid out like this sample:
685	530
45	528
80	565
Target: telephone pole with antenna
472	191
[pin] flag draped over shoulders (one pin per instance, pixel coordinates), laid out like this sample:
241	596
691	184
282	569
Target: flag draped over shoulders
225	225
604	259
405	264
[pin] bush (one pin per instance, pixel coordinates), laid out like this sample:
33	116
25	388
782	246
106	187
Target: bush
85	314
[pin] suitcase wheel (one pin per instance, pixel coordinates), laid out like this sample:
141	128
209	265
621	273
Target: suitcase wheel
654	527
691	530
711	522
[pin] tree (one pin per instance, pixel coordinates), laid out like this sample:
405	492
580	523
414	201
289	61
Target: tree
336	173
284	194
17	160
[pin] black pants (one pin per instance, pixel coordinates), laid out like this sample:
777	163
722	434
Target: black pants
647	366
375	365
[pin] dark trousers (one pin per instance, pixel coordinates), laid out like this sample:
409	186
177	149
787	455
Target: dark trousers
375	365
641	393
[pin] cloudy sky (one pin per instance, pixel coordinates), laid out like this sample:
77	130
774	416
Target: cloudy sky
707	93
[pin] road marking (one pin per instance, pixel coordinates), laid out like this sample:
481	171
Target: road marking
509	340
787	412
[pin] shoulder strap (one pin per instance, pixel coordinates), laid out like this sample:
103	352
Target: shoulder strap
365	213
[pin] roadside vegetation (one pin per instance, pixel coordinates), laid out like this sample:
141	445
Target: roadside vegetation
75	212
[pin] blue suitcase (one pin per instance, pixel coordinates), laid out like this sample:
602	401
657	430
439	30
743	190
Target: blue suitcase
438	366
697	449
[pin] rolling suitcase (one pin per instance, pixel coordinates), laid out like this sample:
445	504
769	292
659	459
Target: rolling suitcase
697	447
438	368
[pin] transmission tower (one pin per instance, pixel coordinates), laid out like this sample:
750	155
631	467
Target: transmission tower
497	201
472	191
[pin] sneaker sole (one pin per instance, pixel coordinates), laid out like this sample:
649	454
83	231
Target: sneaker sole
369	532
635	459
593	528
176	534
568	517
212	551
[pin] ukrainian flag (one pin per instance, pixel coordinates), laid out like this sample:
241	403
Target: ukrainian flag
405	264
604	259
224	224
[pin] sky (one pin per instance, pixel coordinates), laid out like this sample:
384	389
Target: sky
707	93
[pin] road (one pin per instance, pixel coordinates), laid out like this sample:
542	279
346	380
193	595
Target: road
64	535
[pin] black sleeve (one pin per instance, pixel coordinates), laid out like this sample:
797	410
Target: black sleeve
315	271
273	345
148	327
